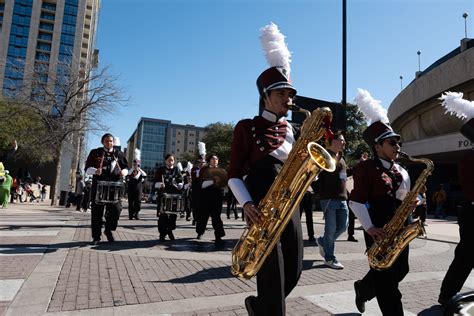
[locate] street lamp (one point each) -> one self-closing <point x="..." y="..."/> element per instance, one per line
<point x="465" y="15"/>
<point x="401" y="82"/>
<point x="419" y="53"/>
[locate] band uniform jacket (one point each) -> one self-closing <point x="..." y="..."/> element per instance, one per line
<point x="112" y="163"/>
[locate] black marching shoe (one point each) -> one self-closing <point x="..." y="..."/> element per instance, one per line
<point x="109" y="235"/>
<point x="95" y="242"/>
<point x="311" y="239"/>
<point x="199" y="236"/>
<point x="219" y="242"/>
<point x="359" y="300"/>
<point x="162" y="237"/>
<point x="250" y="305"/>
<point x="170" y="235"/>
<point x="351" y="238"/>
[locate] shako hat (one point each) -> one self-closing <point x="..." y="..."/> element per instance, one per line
<point x="372" y="109"/>
<point x="464" y="109"/>
<point x="137" y="155"/>
<point x="278" y="57"/>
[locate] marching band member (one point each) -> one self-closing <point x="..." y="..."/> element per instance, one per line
<point x="381" y="184"/>
<point x="105" y="164"/>
<point x="463" y="263"/>
<point x="260" y="147"/>
<point x="168" y="179"/>
<point x="136" y="177"/>
<point x="211" y="198"/>
<point x="195" y="188"/>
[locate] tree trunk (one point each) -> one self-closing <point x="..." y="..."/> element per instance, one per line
<point x="56" y="184"/>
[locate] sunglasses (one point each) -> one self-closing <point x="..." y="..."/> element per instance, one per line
<point x="393" y="143"/>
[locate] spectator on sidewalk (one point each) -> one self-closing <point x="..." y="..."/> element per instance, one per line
<point x="350" y="186"/>
<point x="231" y="204"/>
<point x="5" y="186"/>
<point x="333" y="200"/>
<point x="43" y="193"/>
<point x="439" y="198"/>
<point x="421" y="209"/>
<point x="80" y="185"/>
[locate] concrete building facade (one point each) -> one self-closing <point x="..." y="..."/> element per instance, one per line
<point x="416" y="114"/>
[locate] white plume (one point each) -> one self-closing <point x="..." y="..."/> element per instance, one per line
<point x="202" y="149"/>
<point x="274" y="47"/>
<point x="370" y="107"/>
<point x="116" y="141"/>
<point x="179" y="166"/>
<point x="137" y="154"/>
<point x="456" y="105"/>
<point x="189" y="167"/>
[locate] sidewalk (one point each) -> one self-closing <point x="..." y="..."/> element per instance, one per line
<point x="49" y="267"/>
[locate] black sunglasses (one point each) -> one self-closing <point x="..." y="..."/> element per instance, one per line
<point x="393" y="143"/>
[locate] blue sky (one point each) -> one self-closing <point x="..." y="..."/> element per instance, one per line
<point x="196" y="61"/>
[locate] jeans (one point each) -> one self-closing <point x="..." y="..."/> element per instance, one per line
<point x="336" y="220"/>
<point x="439" y="211"/>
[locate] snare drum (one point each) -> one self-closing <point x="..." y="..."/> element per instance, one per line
<point x="109" y="192"/>
<point x="171" y="203"/>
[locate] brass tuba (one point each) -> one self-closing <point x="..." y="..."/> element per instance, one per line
<point x="286" y="192"/>
<point x="383" y="254"/>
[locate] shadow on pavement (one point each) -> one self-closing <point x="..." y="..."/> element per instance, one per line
<point x="435" y="310"/>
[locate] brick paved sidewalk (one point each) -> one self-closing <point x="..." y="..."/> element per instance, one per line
<point x="140" y="275"/>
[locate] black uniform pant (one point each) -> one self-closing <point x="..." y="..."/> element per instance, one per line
<point x="210" y="205"/>
<point x="281" y="270"/>
<point x="463" y="262"/>
<point x="306" y="206"/>
<point x="166" y="223"/>
<point x="384" y="286"/>
<point x="112" y="214"/>
<point x="350" y="226"/>
<point x="134" y="203"/>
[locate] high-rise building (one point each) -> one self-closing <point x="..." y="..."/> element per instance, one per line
<point x="155" y="138"/>
<point x="39" y="37"/>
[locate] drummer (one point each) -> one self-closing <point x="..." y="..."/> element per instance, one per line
<point x="167" y="180"/>
<point x="210" y="202"/>
<point x="105" y="163"/>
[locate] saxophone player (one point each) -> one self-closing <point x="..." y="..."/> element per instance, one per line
<point x="380" y="185"/>
<point x="260" y="146"/>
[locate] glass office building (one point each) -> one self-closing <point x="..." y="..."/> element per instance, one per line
<point x="37" y="39"/>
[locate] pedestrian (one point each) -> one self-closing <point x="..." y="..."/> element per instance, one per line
<point x="43" y="192"/>
<point x="333" y="200"/>
<point x="463" y="261"/>
<point x="136" y="178"/>
<point x="105" y="163"/>
<point x="210" y="203"/>
<point x="260" y="147"/>
<point x="306" y="207"/>
<point x="5" y="186"/>
<point x="439" y="198"/>
<point x="80" y="185"/>
<point x="383" y="184"/>
<point x="168" y="180"/>
<point x="421" y="208"/>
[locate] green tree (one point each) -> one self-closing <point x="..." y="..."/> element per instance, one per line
<point x="24" y="127"/>
<point x="218" y="140"/>
<point x="355" y="126"/>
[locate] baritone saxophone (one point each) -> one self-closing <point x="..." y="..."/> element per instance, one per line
<point x="285" y="194"/>
<point x="398" y="234"/>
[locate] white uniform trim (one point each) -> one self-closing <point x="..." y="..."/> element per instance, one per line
<point x="239" y="190"/>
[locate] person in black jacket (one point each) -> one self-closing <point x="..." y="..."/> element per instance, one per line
<point x="168" y="179"/>
<point x="105" y="164"/>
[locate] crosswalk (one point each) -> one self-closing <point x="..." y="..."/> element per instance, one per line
<point x="24" y="238"/>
